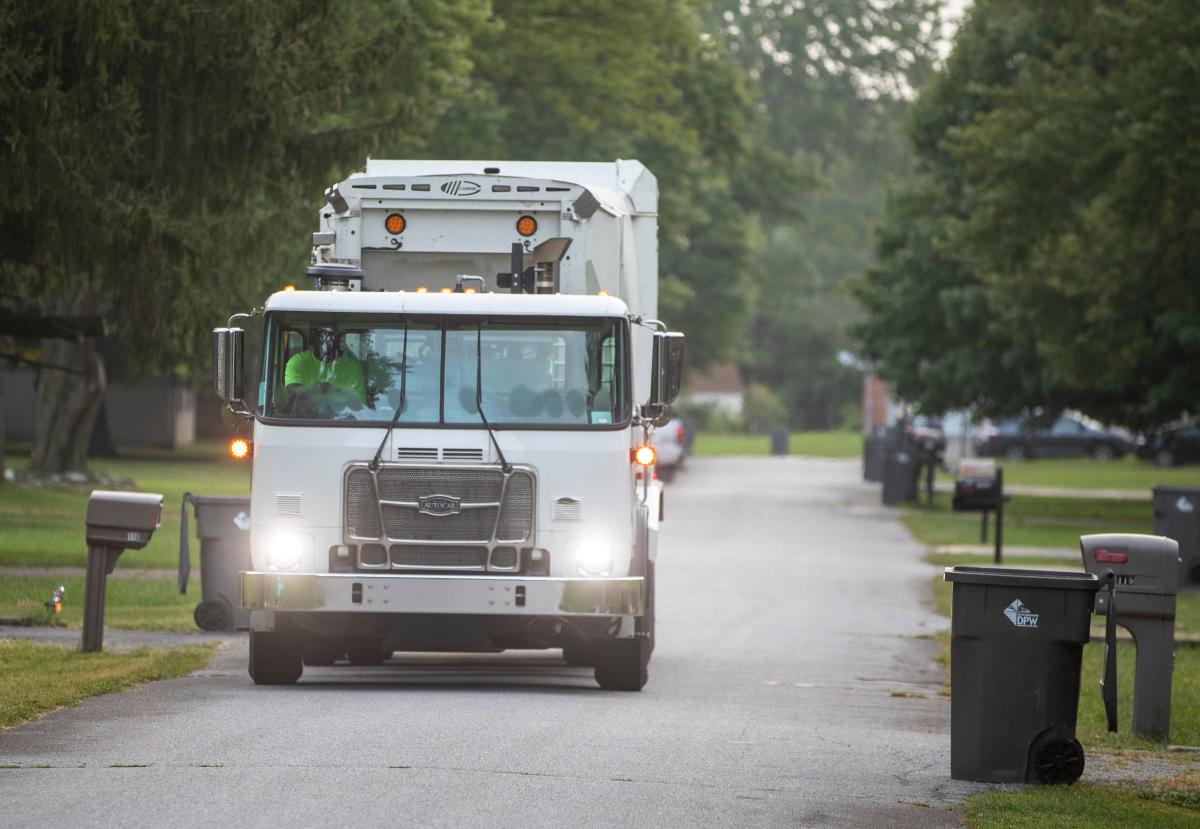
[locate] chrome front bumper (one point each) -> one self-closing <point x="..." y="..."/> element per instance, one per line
<point x="478" y="595"/>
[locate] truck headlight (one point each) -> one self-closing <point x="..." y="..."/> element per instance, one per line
<point x="594" y="558"/>
<point x="284" y="551"/>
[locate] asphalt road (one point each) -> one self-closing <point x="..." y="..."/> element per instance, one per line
<point x="792" y="685"/>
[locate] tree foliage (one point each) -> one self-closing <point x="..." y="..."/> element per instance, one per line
<point x="1049" y="255"/>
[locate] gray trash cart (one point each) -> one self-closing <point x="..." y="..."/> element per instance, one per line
<point x="223" y="526"/>
<point x="1017" y="640"/>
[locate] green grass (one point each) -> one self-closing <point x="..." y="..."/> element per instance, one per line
<point x="1085" y="473"/>
<point x="833" y="444"/>
<point x="1082" y="806"/>
<point x="1030" y="521"/>
<point x="131" y="604"/>
<point x="36" y="679"/>
<point x="43" y="526"/>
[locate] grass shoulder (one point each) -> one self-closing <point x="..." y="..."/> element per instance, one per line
<point x="131" y="604"/>
<point x="822" y="444"/>
<point x="36" y="679"/>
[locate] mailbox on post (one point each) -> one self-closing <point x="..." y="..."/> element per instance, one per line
<point x="1145" y="569"/>
<point x="979" y="487"/>
<point x="116" y="522"/>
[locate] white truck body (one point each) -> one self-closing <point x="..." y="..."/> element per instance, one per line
<point x="392" y="554"/>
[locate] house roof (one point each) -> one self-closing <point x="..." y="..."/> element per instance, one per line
<point x="719" y="377"/>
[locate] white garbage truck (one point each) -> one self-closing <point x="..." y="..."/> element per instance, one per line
<point x="451" y="423"/>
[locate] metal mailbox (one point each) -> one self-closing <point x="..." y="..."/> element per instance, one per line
<point x="978" y="487"/>
<point x="1145" y="569"/>
<point x="116" y="522"/>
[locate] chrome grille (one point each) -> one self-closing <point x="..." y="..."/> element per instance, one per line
<point x="495" y="514"/>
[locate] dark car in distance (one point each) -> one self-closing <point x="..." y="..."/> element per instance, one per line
<point x="1067" y="437"/>
<point x="1172" y="445"/>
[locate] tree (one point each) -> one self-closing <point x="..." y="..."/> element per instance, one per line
<point x="1057" y="203"/>
<point x="835" y="77"/>
<point x="154" y="150"/>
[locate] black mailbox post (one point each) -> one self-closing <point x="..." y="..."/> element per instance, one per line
<point x="979" y="487"/>
<point x="116" y="522"/>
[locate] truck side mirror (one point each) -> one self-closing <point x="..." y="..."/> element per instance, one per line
<point x="228" y="346"/>
<point x="666" y="371"/>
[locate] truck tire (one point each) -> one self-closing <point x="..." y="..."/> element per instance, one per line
<point x="622" y="664"/>
<point x="275" y="657"/>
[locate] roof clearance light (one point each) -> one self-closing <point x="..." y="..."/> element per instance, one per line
<point x="289" y="287"/>
<point x="395" y="223"/>
<point x="469" y="290"/>
<point x="240" y="449"/>
<point x="445" y="291"/>
<point x="644" y="456"/>
<point x="527" y="225"/>
<point x="422" y="290"/>
<point x="601" y="293"/>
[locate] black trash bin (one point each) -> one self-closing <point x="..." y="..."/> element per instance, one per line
<point x="223" y="526"/>
<point x="1017" y="641"/>
<point x="900" y="468"/>
<point x="874" y="448"/>
<point x="779" y="441"/>
<point x="1177" y="516"/>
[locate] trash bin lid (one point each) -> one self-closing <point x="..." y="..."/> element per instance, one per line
<point x="218" y="500"/>
<point x="1176" y="490"/>
<point x="1012" y="577"/>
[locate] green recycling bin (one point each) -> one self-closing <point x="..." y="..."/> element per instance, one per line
<point x="1015" y="652"/>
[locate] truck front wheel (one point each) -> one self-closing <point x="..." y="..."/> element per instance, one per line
<point x="622" y="664"/>
<point x="274" y="657"/>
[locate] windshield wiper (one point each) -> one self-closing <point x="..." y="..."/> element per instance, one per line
<point x="374" y="464"/>
<point x="504" y="466"/>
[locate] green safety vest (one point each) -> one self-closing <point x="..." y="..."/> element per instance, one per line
<point x="345" y="373"/>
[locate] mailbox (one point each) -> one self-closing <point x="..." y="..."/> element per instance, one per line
<point x="125" y="520"/>
<point x="1145" y="570"/>
<point x="978" y="487"/>
<point x="116" y="522"/>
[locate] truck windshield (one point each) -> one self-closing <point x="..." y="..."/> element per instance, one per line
<point x="535" y="371"/>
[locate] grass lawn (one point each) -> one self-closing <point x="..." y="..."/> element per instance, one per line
<point x="132" y="604"/>
<point x="835" y="444"/>
<point x="1086" y="806"/>
<point x="1085" y="473"/>
<point x="43" y="525"/>
<point x="36" y="679"/>
<point x="1030" y="521"/>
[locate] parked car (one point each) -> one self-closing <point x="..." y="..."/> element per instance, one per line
<point x="670" y="444"/>
<point x="1171" y="445"/>
<point x="1067" y="437"/>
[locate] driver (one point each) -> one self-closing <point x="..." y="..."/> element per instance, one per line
<point x="325" y="376"/>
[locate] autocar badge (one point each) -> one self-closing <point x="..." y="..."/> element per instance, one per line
<point x="439" y="505"/>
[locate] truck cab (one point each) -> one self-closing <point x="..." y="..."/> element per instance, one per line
<point x="451" y="424"/>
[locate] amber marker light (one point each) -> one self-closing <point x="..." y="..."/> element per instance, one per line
<point x="445" y="291"/>
<point x="469" y="290"/>
<point x="240" y="449"/>
<point x="644" y="456"/>
<point x="395" y="223"/>
<point x="422" y="290"/>
<point x="289" y="287"/>
<point x="527" y="225"/>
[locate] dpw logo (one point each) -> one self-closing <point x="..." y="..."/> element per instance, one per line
<point x="460" y="187"/>
<point x="1020" y="615"/>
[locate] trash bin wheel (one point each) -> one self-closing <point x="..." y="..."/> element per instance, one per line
<point x="275" y="657"/>
<point x="213" y="615"/>
<point x="1057" y="761"/>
